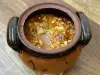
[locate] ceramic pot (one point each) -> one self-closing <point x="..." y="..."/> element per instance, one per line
<point x="52" y="61"/>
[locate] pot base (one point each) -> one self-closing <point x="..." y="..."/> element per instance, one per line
<point x="49" y="66"/>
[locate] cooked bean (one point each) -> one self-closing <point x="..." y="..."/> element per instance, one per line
<point x="60" y="31"/>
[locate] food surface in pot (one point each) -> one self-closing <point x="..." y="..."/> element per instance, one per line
<point x="48" y="31"/>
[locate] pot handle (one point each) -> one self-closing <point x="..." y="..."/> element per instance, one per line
<point x="85" y="28"/>
<point x="12" y="35"/>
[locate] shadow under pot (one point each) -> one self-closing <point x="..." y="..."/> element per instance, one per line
<point x="59" y="58"/>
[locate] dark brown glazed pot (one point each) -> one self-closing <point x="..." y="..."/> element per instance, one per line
<point x="49" y="61"/>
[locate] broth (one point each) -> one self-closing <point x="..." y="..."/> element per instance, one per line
<point x="48" y="31"/>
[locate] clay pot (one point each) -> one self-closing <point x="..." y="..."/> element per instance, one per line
<point x="49" y="61"/>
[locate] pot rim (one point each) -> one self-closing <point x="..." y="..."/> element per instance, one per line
<point x="30" y="10"/>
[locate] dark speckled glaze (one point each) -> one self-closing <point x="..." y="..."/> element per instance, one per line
<point x="12" y="35"/>
<point x="86" y="31"/>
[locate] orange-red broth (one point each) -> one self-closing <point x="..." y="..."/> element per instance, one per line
<point x="48" y="31"/>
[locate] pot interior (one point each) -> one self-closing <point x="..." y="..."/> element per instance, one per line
<point x="57" y="16"/>
<point x="49" y="8"/>
<point x="53" y="11"/>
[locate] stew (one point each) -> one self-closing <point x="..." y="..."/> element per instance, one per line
<point x="48" y="31"/>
